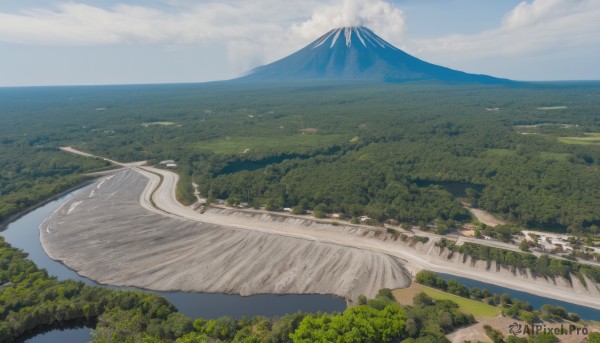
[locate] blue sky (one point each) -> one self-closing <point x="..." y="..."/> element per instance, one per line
<point x="162" y="41"/>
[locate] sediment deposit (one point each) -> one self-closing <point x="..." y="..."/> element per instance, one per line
<point x="129" y="229"/>
<point x="104" y="233"/>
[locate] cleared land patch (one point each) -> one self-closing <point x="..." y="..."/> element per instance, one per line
<point x="588" y="139"/>
<point x="158" y="123"/>
<point x="501" y="152"/>
<point x="476" y="308"/>
<point x="287" y="143"/>
<point x="309" y="130"/>
<point x="552" y="108"/>
<point x="555" y="156"/>
<point x="485" y="217"/>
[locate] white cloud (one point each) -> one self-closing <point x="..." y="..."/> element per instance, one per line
<point x="182" y="22"/>
<point x="73" y="24"/>
<point x="259" y="31"/>
<point x="381" y="16"/>
<point x="536" y="29"/>
<point x="254" y="31"/>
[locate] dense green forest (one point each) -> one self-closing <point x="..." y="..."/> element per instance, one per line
<point x="529" y="153"/>
<point x="395" y="152"/>
<point x="29" y="174"/>
<point x="30" y="299"/>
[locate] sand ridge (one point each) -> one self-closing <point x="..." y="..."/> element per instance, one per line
<point x="103" y="233"/>
<point x="158" y="197"/>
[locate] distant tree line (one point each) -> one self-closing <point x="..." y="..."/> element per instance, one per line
<point x="384" y="150"/>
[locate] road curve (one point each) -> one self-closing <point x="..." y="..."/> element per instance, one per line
<point x="159" y="197"/>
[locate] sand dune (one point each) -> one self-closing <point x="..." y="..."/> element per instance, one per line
<point x="110" y="238"/>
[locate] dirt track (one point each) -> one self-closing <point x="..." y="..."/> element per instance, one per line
<point x="485" y="217"/>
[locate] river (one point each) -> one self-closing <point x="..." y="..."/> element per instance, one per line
<point x="24" y="234"/>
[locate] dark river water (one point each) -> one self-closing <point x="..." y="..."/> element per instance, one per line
<point x="24" y="234"/>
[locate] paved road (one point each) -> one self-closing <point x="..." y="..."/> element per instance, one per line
<point x="159" y="196"/>
<point x="165" y="199"/>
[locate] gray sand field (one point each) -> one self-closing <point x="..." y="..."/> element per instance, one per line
<point x="105" y="234"/>
<point x="109" y="242"/>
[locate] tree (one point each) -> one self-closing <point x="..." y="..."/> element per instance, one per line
<point x="320" y="211"/>
<point x="455" y="287"/>
<point x="478" y="233"/>
<point x="386" y="293"/>
<point x="298" y="210"/>
<point x="223" y="328"/>
<point x="524" y="245"/>
<point x="495" y="335"/>
<point x="446" y="321"/>
<point x="423" y="300"/>
<point x="356" y="324"/>
<point x="512" y="311"/>
<point x="412" y="329"/>
<point x="594" y="337"/>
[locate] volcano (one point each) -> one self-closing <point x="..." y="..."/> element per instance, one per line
<point x="356" y="53"/>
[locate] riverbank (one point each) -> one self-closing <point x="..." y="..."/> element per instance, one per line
<point x="24" y="233"/>
<point x="106" y="235"/>
<point x="420" y="257"/>
<point x="4" y="224"/>
<point x="155" y="193"/>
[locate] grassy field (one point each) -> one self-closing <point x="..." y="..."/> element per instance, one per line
<point x="501" y="152"/>
<point x="552" y="108"/>
<point x="158" y="123"/>
<point x="548" y="156"/>
<point x="589" y="138"/>
<point x="554" y="156"/>
<point x="478" y="309"/>
<point x="297" y="143"/>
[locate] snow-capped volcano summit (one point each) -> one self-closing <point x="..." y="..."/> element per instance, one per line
<point x="365" y="36"/>
<point x="356" y="53"/>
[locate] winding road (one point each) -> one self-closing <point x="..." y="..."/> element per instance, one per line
<point x="159" y="197"/>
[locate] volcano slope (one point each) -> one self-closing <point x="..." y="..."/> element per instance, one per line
<point x="105" y="234"/>
<point x="356" y="53"/>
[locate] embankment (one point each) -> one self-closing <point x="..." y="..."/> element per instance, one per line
<point x="104" y="234"/>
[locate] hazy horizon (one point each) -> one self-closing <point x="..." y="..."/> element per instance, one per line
<point x="162" y="42"/>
